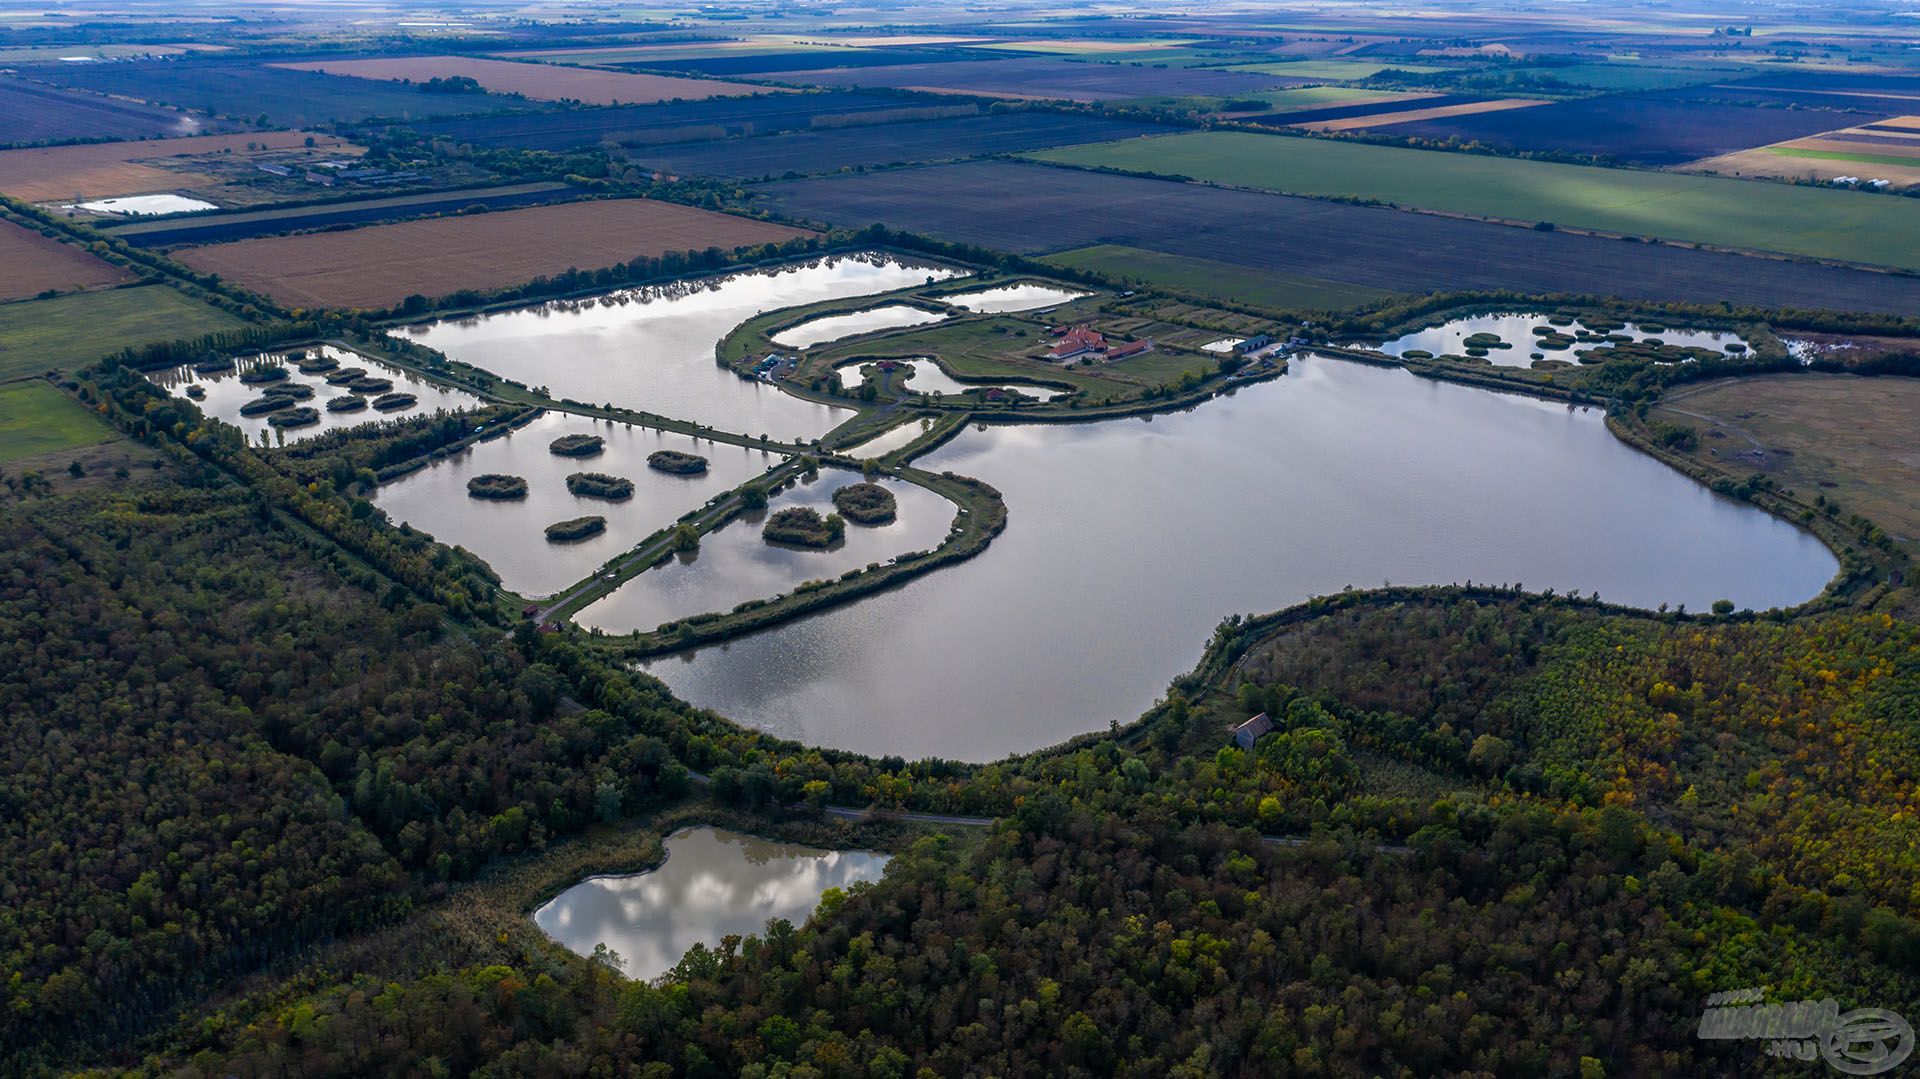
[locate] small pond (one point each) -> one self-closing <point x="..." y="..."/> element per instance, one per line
<point x="713" y="883"/>
<point x="224" y="393"/>
<point x="889" y="440"/>
<point x="1128" y="540"/>
<point x="927" y="376"/>
<point x="891" y="316"/>
<point x="735" y="564"/>
<point x="511" y="535"/>
<point x="1008" y="298"/>
<point x="1517" y="330"/>
<point x="652" y="349"/>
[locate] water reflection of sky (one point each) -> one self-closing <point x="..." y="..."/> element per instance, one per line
<point x="1450" y="338"/>
<point x="714" y="883"/>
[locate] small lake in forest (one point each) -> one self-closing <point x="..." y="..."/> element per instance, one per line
<point x="1129" y="540"/>
<point x="713" y="883"/>
<point x="652" y="349"/>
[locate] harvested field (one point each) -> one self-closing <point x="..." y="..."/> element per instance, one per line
<point x="1332" y="70"/>
<point x="31" y="264"/>
<point x="68" y="332"/>
<point x="1647" y="129"/>
<point x="1427" y="112"/>
<point x="381" y="265"/>
<point x="226" y="228"/>
<point x="99" y="170"/>
<point x="1047" y="78"/>
<point x="930" y="140"/>
<point x="30" y="113"/>
<point x="1845" y="436"/>
<point x="1040" y="210"/>
<point x="540" y="82"/>
<point x="1885" y="151"/>
<point x="1841" y="225"/>
<point x="775" y="64"/>
<point x="1817" y="90"/>
<point x="690" y="121"/>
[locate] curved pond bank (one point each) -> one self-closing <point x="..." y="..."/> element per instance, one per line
<point x="714" y="882"/>
<point x="1129" y="540"/>
<point x="653" y="348"/>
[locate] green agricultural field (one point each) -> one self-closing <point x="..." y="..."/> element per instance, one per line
<point x="1323" y="97"/>
<point x="72" y="331"/>
<point x="1823" y="223"/>
<point x="1202" y="277"/>
<point x="1843" y="155"/>
<point x="1635" y="77"/>
<point x="35" y="418"/>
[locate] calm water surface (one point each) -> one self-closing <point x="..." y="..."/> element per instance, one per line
<point x="1129" y="540"/>
<point x="891" y="439"/>
<point x="714" y="883"/>
<point x="1517" y="330"/>
<point x="891" y="316"/>
<point x="225" y="393"/>
<point x="511" y="536"/>
<point x="929" y="377"/>
<point x="995" y="301"/>
<point x="652" y="349"/>
<point x="736" y="564"/>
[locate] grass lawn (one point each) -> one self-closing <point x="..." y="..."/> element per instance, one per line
<point x="1205" y="278"/>
<point x="1844" y="436"/>
<point x="35" y="418"/>
<point x="1847" y="225"/>
<point x="67" y="332"/>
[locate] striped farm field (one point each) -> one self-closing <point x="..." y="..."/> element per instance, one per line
<point x="380" y="265"/>
<point x="1437" y="112"/>
<point x="1822" y="223"/>
<point x="541" y="82"/>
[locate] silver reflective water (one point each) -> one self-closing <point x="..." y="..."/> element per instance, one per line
<point x="735" y="564"/>
<point x="1129" y="540"/>
<point x="714" y="883"/>
<point x="652" y="349"/>
<point x="927" y="376"/>
<point x="1027" y="297"/>
<point x="224" y="394"/>
<point x="511" y="535"/>
<point x="819" y="331"/>
<point x="893" y="438"/>
<point x="1450" y="338"/>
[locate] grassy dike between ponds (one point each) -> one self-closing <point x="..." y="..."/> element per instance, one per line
<point x="982" y="515"/>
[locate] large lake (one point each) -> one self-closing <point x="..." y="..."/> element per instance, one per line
<point x="652" y="349"/>
<point x="1129" y="540"/>
<point x="714" y="883"/>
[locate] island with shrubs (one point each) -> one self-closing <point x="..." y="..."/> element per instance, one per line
<point x="865" y="503"/>
<point x="676" y="463"/>
<point x="600" y="485"/>
<point x="802" y="526"/>
<point x="577" y="445"/>
<point x="577" y="528"/>
<point x="497" y="486"/>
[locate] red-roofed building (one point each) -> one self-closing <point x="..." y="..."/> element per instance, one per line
<point x="1077" y="341"/>
<point x="1131" y="348"/>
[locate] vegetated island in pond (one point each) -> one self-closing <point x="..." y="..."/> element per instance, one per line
<point x="578" y="528"/>
<point x="802" y="526"/>
<point x="302" y="416"/>
<point x="600" y="485"/>
<point x="577" y="445"/>
<point x="680" y="464"/>
<point x="497" y="486"/>
<point x="865" y="503"/>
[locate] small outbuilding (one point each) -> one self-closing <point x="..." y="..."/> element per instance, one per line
<point x="1246" y="734"/>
